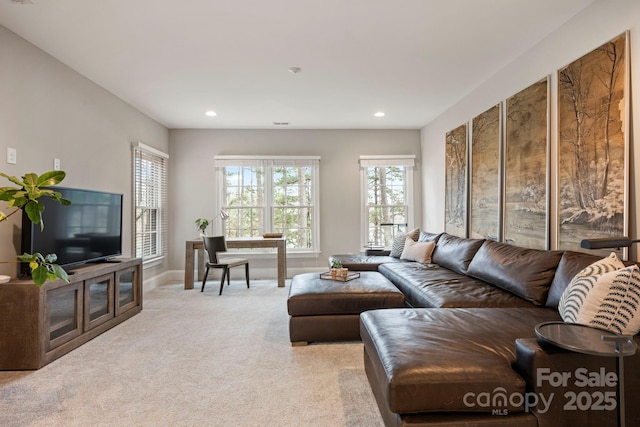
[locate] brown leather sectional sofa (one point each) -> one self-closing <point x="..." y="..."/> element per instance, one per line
<point x="465" y="352"/>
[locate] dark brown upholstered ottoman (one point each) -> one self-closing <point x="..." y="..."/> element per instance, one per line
<point x="329" y="310"/>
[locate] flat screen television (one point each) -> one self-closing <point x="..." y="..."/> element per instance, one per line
<point x="87" y="230"/>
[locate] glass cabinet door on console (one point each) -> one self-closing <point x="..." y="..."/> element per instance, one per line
<point x="126" y="291"/>
<point x="98" y="300"/>
<point x="63" y="314"/>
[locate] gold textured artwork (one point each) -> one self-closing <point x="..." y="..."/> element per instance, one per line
<point x="456" y="182"/>
<point x="484" y="215"/>
<point x="592" y="147"/>
<point x="526" y="172"/>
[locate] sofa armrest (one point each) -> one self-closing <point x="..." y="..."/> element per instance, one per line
<point x="562" y="384"/>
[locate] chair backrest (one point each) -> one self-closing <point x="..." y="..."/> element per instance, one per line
<point x="213" y="245"/>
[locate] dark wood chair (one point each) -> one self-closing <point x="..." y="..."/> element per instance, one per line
<point x="214" y="245"/>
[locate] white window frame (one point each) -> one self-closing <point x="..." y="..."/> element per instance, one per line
<point x="162" y="229"/>
<point x="268" y="162"/>
<point x="367" y="161"/>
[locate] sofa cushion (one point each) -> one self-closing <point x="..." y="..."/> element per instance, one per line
<point x="455" y="253"/>
<point x="524" y="272"/>
<point x="604" y="295"/>
<point x="398" y="242"/>
<point x="429" y="359"/>
<point x="570" y="264"/>
<point x="417" y="251"/>
<point x="429" y="285"/>
<point x="425" y="236"/>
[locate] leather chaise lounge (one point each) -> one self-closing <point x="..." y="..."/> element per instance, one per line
<point x="464" y="352"/>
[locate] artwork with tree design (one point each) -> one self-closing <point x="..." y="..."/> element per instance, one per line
<point x="455" y="215"/>
<point x="592" y="147"/>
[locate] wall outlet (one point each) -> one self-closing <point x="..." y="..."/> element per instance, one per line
<point x="56" y="164"/>
<point x="12" y="156"/>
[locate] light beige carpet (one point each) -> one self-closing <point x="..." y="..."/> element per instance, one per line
<point x="197" y="359"/>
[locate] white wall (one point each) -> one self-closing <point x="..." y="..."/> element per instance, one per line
<point x="192" y="183"/>
<point x="48" y="110"/>
<point x="599" y="23"/>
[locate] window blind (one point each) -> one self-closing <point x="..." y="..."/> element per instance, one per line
<point x="150" y="169"/>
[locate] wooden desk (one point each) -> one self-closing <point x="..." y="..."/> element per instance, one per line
<point x="247" y="242"/>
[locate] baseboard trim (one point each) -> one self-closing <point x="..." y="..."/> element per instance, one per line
<point x="150" y="283"/>
<point x="177" y="276"/>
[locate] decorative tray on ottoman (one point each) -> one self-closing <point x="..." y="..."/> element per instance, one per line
<point x="338" y="277"/>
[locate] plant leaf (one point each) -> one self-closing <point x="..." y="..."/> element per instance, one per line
<point x="59" y="272"/>
<point x="50" y="178"/>
<point x="39" y="275"/>
<point x="34" y="210"/>
<point x="25" y="257"/>
<point x="7" y="193"/>
<point x="30" y="180"/>
<point x="12" y="179"/>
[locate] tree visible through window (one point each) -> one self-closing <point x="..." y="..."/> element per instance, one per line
<point x="244" y="201"/>
<point x="388" y="200"/>
<point x="292" y="210"/>
<point x="386" y="203"/>
<point x="271" y="195"/>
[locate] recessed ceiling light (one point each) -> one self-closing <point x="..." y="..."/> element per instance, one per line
<point x="211" y="113"/>
<point x="379" y="114"/>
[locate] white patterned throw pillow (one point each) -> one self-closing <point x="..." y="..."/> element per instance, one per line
<point x="398" y="242"/>
<point x="604" y="295"/>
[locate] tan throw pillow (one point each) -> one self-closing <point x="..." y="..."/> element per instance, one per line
<point x="604" y="296"/>
<point x="417" y="251"/>
<point x="398" y="242"/>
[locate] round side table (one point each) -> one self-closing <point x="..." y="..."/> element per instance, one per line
<point x="593" y="341"/>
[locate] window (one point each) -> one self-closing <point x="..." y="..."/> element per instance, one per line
<point x="387" y="197"/>
<point x="150" y="202"/>
<point x="275" y="194"/>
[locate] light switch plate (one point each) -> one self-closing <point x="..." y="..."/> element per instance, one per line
<point x="56" y="164"/>
<point x="12" y="156"/>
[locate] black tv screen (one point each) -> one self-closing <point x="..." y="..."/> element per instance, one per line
<point x="89" y="229"/>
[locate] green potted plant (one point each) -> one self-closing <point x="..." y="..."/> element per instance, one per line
<point x="337" y="270"/>
<point x="202" y="224"/>
<point x="24" y="197"/>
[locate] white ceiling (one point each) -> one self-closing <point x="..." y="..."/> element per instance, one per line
<point x="173" y="60"/>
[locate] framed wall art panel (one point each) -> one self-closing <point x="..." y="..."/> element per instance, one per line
<point x="455" y="215"/>
<point x="593" y="111"/>
<point x="526" y="173"/>
<point x="484" y="215"/>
